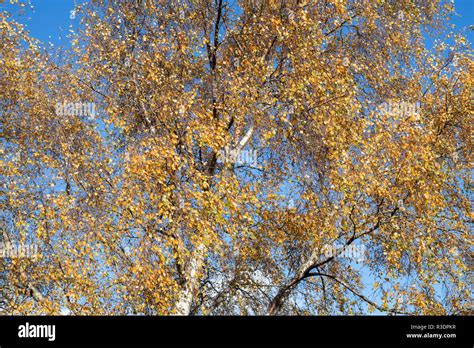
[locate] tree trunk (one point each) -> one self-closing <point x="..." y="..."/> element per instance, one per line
<point x="185" y="300"/>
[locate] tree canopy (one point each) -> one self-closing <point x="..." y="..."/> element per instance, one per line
<point x="116" y="159"/>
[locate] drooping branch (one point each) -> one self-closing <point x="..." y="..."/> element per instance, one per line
<point x="312" y="263"/>
<point x="358" y="294"/>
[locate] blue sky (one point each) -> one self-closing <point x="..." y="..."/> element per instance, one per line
<point x="50" y="19"/>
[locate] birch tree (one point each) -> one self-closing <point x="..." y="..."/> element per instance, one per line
<point x="134" y="211"/>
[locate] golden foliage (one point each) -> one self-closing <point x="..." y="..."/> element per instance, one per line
<point x="134" y="211"/>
